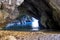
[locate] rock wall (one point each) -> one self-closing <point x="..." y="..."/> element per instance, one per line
<point x="56" y="11"/>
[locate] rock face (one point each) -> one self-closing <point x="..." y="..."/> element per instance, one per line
<point x="10" y="6"/>
<point x="56" y="12"/>
<point x="9" y="10"/>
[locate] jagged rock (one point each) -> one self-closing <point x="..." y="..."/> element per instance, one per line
<point x="11" y="7"/>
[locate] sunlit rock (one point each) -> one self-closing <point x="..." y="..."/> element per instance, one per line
<point x="3" y="16"/>
<point x="9" y="38"/>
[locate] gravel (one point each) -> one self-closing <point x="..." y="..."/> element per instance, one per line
<point x="16" y="35"/>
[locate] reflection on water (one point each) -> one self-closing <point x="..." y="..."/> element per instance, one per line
<point x="17" y="25"/>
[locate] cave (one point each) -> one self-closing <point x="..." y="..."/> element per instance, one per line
<point x="41" y="11"/>
<point x="39" y="8"/>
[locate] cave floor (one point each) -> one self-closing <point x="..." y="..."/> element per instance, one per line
<point x="21" y="35"/>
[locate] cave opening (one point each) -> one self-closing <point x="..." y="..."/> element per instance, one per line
<point x="29" y="14"/>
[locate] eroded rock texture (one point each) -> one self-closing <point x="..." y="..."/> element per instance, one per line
<point x="56" y="11"/>
<point x="10" y="7"/>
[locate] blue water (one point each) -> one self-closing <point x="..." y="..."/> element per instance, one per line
<point x="17" y="25"/>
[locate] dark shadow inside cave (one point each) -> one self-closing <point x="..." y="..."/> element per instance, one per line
<point x="39" y="10"/>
